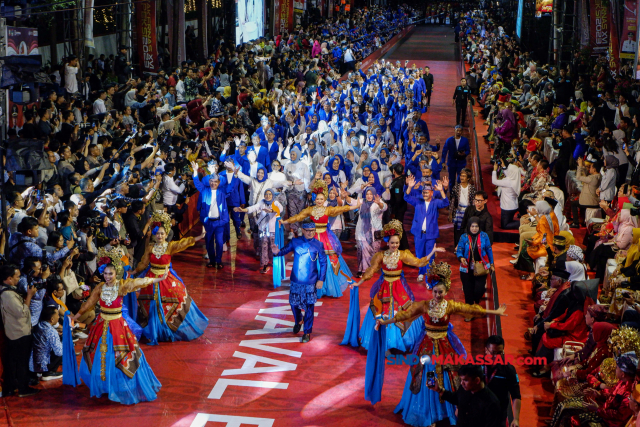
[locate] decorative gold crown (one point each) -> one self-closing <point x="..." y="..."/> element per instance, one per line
<point x="393" y="228"/>
<point x="320" y="187"/>
<point x="608" y="371"/>
<point x="112" y="256"/>
<point x="161" y="218"/>
<point x="443" y="272"/>
<point x="624" y="340"/>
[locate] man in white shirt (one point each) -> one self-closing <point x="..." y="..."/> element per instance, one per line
<point x="180" y="90"/>
<point x="349" y="59"/>
<point x="70" y="73"/>
<point x="98" y="105"/>
<point x="170" y="189"/>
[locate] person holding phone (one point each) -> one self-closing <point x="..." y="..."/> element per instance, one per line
<point x="439" y="339"/>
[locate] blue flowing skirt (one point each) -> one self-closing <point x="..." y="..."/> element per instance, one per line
<point x="395" y="339"/>
<point x="143" y="387"/>
<point x="157" y="330"/>
<point x="334" y="285"/>
<point x="135" y="328"/>
<point x="425" y="408"/>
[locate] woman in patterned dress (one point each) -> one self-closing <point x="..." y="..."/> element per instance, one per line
<point x="171" y="313"/>
<point x="112" y="361"/>
<point x="338" y="275"/>
<point x="419" y="405"/>
<point x="391" y="292"/>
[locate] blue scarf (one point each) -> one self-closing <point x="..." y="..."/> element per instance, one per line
<point x="365" y="213"/>
<point x="264" y="178"/>
<point x="336" y="172"/>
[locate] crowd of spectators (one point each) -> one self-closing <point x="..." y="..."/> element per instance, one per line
<point x="563" y="139"/>
<point x="276" y="114"/>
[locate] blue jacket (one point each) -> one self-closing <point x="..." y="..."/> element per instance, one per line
<point x="204" y="201"/>
<point x="235" y="191"/>
<point x="262" y="155"/>
<point x="309" y="262"/>
<point x="464" y="250"/>
<point x="449" y="152"/>
<point x="432" y="231"/>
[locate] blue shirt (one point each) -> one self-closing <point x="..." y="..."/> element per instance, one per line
<point x="45" y="341"/>
<point x="36" y="302"/>
<point x="28" y="247"/>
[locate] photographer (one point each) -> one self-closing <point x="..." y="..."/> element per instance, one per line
<point x="34" y="273"/>
<point x="23" y="244"/>
<point x="476" y="405"/>
<point x="565" y="143"/>
<point x="509" y="193"/>
<point x="16" y="318"/>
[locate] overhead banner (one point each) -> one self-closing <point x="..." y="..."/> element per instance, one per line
<point x="629" y="38"/>
<point x="22" y="41"/>
<point x="146" y="29"/>
<point x="276" y="18"/>
<point x="543" y="6"/>
<point x="88" y="24"/>
<point x="286" y="16"/>
<point x="600" y="27"/>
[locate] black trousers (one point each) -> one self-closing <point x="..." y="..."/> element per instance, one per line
<point x="599" y="258"/>
<point x="428" y="96"/>
<point x="473" y="287"/>
<point x="461" y="114"/>
<point x="578" y="210"/>
<point x="54" y="362"/>
<point x="16" y="363"/>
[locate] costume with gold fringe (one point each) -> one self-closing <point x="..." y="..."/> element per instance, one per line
<point x="170" y="313"/>
<point x="338" y="273"/>
<point x="112" y="361"/>
<point x="419" y="405"/>
<point x="391" y="293"/>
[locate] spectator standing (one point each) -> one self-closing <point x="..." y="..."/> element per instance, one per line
<point x="509" y="192"/>
<point x="590" y="178"/>
<point x="476" y="404"/>
<point x="479" y="209"/>
<point x="474" y="246"/>
<point x="70" y="73"/>
<point x="16" y="319"/>
<point x="502" y="380"/>
<point x="461" y="98"/>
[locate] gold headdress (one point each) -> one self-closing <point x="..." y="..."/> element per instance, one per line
<point x="161" y="218"/>
<point x="393" y="228"/>
<point x="624" y="340"/>
<point x="320" y="187"/>
<point x="439" y="274"/>
<point x="112" y="256"/>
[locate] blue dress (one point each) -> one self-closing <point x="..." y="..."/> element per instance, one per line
<point x="130" y="380"/>
<point x="178" y="319"/>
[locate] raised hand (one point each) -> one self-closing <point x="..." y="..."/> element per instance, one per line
<point x="439" y="186"/>
<point x="194" y="166"/>
<point x="445" y="181"/>
<point x="411" y="181"/>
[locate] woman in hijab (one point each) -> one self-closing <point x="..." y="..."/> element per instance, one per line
<point x="106" y="232"/>
<point x="361" y="183"/>
<point x="622" y="241"/>
<point x="536" y="247"/>
<point x="575" y="265"/>
<point x="586" y="361"/>
<point x="507" y="130"/>
<point x="369" y="221"/>
<point x="474" y="248"/>
<point x="266" y="211"/>
<point x="509" y="193"/>
<point x="570" y="326"/>
<point x="316" y="50"/>
<point x="335" y="168"/>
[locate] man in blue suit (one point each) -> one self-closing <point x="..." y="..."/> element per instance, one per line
<point x="425" y="219"/>
<point x="262" y="155"/>
<point x="235" y="195"/>
<point x="213" y="214"/>
<point x="455" y="152"/>
<point x="308" y="273"/>
<point x="273" y="148"/>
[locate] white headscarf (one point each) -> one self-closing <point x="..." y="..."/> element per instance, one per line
<point x="513" y="175"/>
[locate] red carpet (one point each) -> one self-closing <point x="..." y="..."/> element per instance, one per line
<point x="316" y="384"/>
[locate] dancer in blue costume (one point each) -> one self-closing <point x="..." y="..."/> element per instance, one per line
<point x="171" y="313"/>
<point x="419" y="405"/>
<point x="391" y="292"/>
<point x="112" y="361"/>
<point x="338" y="273"/>
<point x="307" y="274"/>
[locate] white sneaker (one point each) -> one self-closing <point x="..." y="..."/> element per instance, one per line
<point x="224" y="247"/>
<point x="514" y="256"/>
<point x="206" y="256"/>
<point x="421" y="278"/>
<point x="513" y="261"/>
<point x="291" y="235"/>
<point x="81" y="335"/>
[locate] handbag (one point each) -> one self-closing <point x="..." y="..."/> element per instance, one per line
<point x="478" y="266"/>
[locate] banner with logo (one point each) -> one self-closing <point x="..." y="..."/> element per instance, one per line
<point x="629" y="35"/>
<point x="543" y="6"/>
<point x="285" y="16"/>
<point x="146" y="29"/>
<point x="600" y="27"/>
<point x="22" y="41"/>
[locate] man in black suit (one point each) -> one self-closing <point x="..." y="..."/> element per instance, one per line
<point x="428" y="83"/>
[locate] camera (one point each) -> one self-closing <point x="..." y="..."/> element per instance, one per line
<point x="635" y="211"/>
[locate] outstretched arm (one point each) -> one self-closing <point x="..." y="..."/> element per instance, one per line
<point x="305" y="213"/>
<point x="408" y="258"/>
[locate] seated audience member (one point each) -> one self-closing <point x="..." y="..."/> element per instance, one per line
<point x="46" y="356"/>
